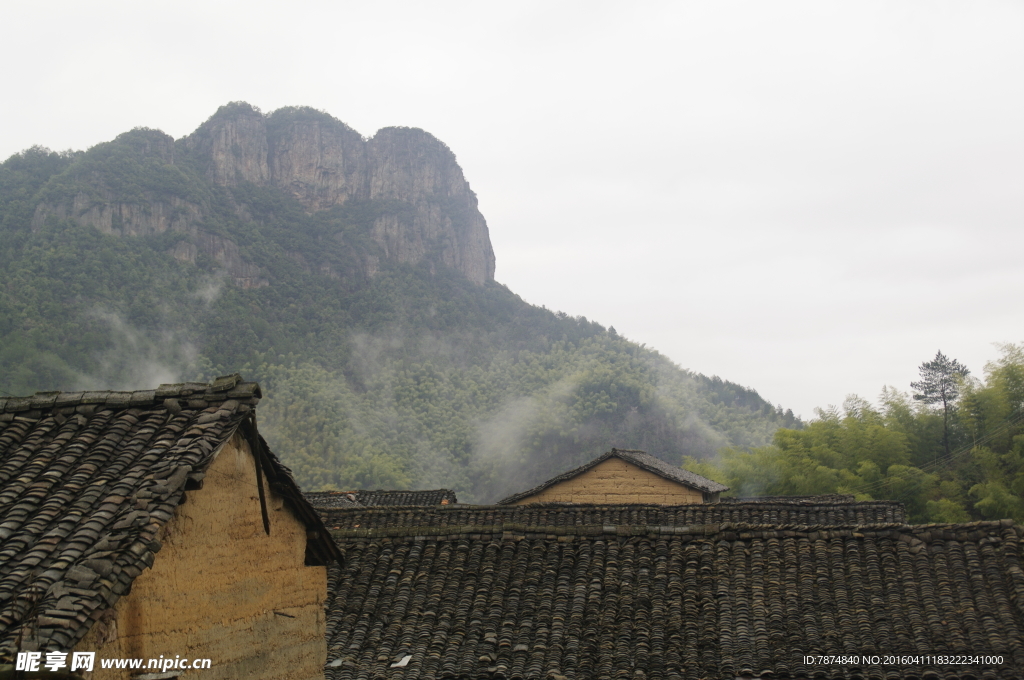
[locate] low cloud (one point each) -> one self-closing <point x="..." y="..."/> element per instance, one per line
<point x="138" y="359"/>
<point x="504" y="460"/>
<point x="211" y="287"/>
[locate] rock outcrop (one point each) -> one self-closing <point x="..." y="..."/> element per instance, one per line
<point x="237" y="151"/>
<point x="322" y="163"/>
<point x="315" y="158"/>
<point x="425" y="211"/>
<point x="410" y="165"/>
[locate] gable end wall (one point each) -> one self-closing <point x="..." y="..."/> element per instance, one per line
<point x="616" y="481"/>
<point x="221" y="588"/>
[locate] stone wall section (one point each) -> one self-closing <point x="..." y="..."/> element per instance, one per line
<point x="616" y="481"/>
<point x="221" y="588"/>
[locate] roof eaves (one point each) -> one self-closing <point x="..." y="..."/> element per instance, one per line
<point x="556" y="479"/>
<point x="319" y="543"/>
<point x="668" y="472"/>
<point x="661" y="468"/>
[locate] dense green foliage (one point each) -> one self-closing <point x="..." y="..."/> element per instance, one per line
<point x="897" y="450"/>
<point x="412" y="377"/>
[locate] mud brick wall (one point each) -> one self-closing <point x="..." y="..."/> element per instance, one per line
<point x="616" y="481"/>
<point x="221" y="588"/>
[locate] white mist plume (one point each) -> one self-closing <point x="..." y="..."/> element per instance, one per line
<point x="503" y="456"/>
<point x="211" y="287"/>
<point x="138" y="359"/>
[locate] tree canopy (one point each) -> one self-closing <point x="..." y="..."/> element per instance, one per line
<point x="940" y="384"/>
<point x="896" y="449"/>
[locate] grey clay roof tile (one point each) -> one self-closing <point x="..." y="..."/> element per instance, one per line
<point x="539" y="600"/>
<point x="86" y="481"/>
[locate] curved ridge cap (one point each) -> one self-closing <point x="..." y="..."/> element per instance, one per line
<point x="714" y="530"/>
<point x="711" y="529"/>
<point x="224" y="388"/>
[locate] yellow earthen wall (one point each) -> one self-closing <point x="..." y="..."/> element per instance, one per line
<point x="220" y="588"/>
<point x="616" y="481"/>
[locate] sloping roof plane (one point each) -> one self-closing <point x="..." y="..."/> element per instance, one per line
<point x="88" y="479"/>
<point x="660" y="602"/>
<point x="642" y="460"/>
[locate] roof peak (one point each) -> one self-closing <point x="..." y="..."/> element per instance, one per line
<point x="641" y="459"/>
<point x="223" y="388"/>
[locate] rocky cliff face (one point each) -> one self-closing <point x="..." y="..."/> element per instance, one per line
<point x="236" y="151"/>
<point x="323" y="163"/>
<point x="411" y="165"/>
<point x="316" y="159"/>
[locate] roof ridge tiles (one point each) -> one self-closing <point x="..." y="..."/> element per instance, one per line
<point x="558" y="505"/>
<point x="224" y="388"/>
<point x="711" y="529"/>
<point x="381" y="498"/>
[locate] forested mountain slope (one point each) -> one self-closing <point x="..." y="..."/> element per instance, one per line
<point x="354" y="278"/>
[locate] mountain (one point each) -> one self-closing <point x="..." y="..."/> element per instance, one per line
<point x="145" y="183"/>
<point x="354" y="278"/>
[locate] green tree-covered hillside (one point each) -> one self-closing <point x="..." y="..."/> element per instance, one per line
<point x="131" y="264"/>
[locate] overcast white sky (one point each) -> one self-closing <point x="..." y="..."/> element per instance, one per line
<point x="807" y="198"/>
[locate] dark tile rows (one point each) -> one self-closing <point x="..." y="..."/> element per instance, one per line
<point x="86" y="482"/>
<point x="775" y="512"/>
<point x="343" y="499"/>
<point x="734" y="602"/>
<point x="639" y="458"/>
<point x="795" y="500"/>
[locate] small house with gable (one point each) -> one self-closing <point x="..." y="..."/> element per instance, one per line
<point x="623" y="476"/>
<point x="156" y="524"/>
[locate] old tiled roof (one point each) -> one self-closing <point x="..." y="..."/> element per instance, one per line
<point x="639" y="458"/>
<point x="652" y="602"/>
<point x="822" y="499"/>
<point x="572" y="515"/>
<point x="87" y="480"/>
<point x="336" y="499"/>
<point x="332" y="499"/>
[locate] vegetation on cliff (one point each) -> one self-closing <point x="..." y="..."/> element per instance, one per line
<point x="391" y="375"/>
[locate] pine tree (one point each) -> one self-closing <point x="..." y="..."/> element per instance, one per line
<point x="940" y="383"/>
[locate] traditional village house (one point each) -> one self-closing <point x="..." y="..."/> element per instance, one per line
<point x="157" y="523"/>
<point x="749" y="588"/>
<point x="623" y="476"/>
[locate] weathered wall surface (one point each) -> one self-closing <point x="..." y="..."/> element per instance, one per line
<point x="220" y="588"/>
<point x="616" y="481"/>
